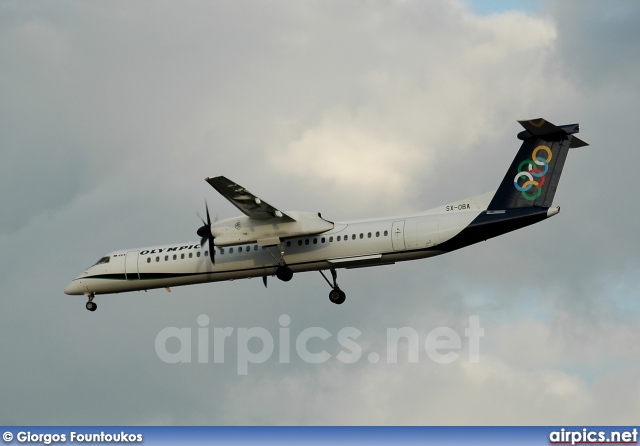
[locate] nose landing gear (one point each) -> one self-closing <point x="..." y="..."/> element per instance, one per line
<point x="336" y="295"/>
<point x="91" y="305"/>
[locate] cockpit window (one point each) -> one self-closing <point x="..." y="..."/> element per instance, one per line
<point x="102" y="260"/>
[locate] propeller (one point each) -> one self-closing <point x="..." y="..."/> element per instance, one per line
<point x="205" y="233"/>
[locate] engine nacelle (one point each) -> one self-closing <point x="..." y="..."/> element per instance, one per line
<point x="243" y="229"/>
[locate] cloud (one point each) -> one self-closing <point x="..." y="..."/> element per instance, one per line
<point x="527" y="369"/>
<point x="329" y="152"/>
<point x="431" y="95"/>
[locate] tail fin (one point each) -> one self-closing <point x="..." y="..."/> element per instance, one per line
<point x="534" y="174"/>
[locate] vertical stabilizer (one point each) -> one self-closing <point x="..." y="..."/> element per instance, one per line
<point x="533" y="177"/>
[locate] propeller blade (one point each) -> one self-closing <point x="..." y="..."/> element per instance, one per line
<point x="212" y="252"/>
<point x="205" y="233"/>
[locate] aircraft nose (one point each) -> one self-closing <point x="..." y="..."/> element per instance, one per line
<point x="73" y="288"/>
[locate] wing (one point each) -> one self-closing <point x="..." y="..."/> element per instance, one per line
<point x="244" y="200"/>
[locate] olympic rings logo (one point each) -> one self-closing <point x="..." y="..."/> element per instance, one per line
<point x="536" y="169"/>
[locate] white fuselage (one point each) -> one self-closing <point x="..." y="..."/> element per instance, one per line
<point x="348" y="245"/>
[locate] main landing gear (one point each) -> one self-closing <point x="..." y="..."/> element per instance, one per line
<point x="91" y="305"/>
<point x="336" y="295"/>
<point x="283" y="272"/>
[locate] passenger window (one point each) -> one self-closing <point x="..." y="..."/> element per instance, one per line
<point x="182" y="256"/>
<point x="221" y="250"/>
<point x="240" y="249"/>
<point x="377" y="233"/>
<point x="306" y="241"/>
<point x="206" y="253"/>
<point x="230" y="250"/>
<point x="330" y="239"/>
<point x="157" y="259"/>
<point x="353" y="237"/>
<point x="148" y="259"/>
<point x="255" y="247"/>
<point x="288" y="244"/>
<point x="361" y="235"/>
<point x="369" y="235"/>
<point x="166" y="258"/>
<point x="338" y="238"/>
<point x="198" y="253"/>
<point x="248" y="248"/>
<point x="386" y="233"/>
<point x="175" y="257"/>
<point x="190" y="255"/>
<point x="315" y="241"/>
<point x="299" y="242"/>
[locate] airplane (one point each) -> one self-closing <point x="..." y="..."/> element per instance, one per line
<point x="267" y="241"/>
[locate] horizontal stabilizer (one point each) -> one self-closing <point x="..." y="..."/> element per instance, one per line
<point x="577" y="142"/>
<point x="540" y="127"/>
<point x="543" y="129"/>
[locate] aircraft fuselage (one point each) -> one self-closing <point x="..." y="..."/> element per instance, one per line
<point x="351" y="244"/>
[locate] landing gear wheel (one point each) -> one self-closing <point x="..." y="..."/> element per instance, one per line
<point x="91" y="305"/>
<point x="337" y="296"/>
<point x="284" y="273"/>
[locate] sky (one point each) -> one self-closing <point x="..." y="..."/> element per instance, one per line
<point x="113" y="113"/>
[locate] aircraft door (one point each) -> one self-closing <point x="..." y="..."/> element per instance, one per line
<point x="131" y="266"/>
<point x="397" y="235"/>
